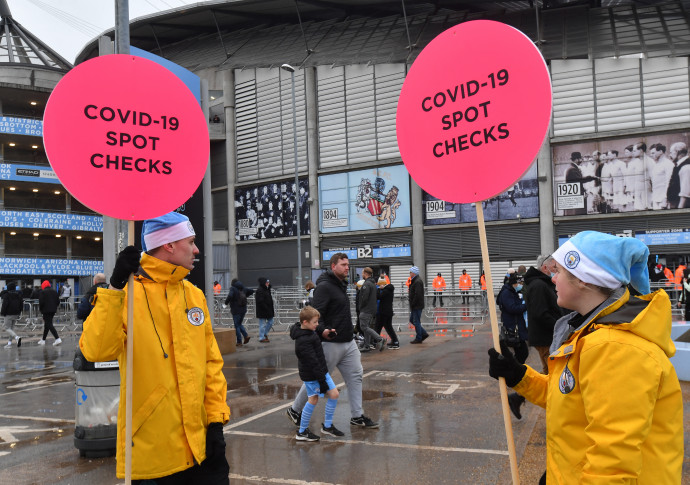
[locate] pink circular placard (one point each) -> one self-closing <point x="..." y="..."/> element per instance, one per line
<point x="126" y="137"/>
<point x="473" y="111"/>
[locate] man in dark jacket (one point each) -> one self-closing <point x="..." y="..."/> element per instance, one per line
<point x="367" y="312"/>
<point x="416" y="298"/>
<point x="48" y="303"/>
<point x="385" y="316"/>
<point x="12" y="303"/>
<point x="542" y="310"/>
<point x="339" y="348"/>
<point x="512" y="310"/>
<point x="264" y="308"/>
<point x="237" y="298"/>
<point x="86" y="303"/>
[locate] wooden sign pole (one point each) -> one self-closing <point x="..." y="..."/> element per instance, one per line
<point x="130" y="365"/>
<point x="494" y="333"/>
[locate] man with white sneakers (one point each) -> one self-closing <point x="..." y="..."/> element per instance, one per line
<point x="12" y="303"/>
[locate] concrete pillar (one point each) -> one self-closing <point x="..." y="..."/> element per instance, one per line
<point x="110" y="226"/>
<point x="417" y="228"/>
<point x="68" y="202"/>
<point x="2" y="197"/>
<point x="545" y="178"/>
<point x="231" y="154"/>
<point x="2" y="244"/>
<point x="68" y="246"/>
<point x="313" y="163"/>
<point x="208" y="208"/>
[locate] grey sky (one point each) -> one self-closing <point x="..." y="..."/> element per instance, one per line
<point x="67" y="25"/>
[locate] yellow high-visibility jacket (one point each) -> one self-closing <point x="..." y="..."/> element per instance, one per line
<point x="174" y="398"/>
<point x="614" y="408"/>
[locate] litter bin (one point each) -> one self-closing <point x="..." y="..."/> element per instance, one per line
<point x="96" y="403"/>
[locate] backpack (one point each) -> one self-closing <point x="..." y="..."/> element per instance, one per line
<point x="241" y="298"/>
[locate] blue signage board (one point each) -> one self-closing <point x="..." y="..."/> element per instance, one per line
<point x="367" y="251"/>
<point x="28" y="173"/>
<point x="50" y="267"/>
<point x="664" y="236"/>
<point x="21" y="126"/>
<point x="351" y="253"/>
<point x="51" y="220"/>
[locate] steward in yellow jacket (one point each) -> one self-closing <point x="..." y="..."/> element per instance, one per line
<point x="179" y="388"/>
<point x="614" y="407"/>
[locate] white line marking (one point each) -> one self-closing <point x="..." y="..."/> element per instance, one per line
<point x="375" y="443"/>
<point x="35" y="388"/>
<point x="288" y="481"/>
<point x="31" y="418"/>
<point x="277" y="408"/>
<point x="3" y="453"/>
<point x="281" y="376"/>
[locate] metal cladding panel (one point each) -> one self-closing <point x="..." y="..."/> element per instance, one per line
<point x="389" y="80"/>
<point x="221" y="258"/>
<point x="268" y="255"/>
<point x="619" y="224"/>
<point x="473" y="270"/>
<point x="618" y="94"/>
<point x="264" y="124"/>
<point x="573" y="97"/>
<point x="332" y="116"/>
<point x="517" y="241"/>
<point x="666" y="91"/>
<point x="446" y="270"/>
<point x="398" y="275"/>
<point x="361" y="113"/>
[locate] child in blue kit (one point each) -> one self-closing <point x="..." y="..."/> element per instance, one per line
<point x="314" y="372"/>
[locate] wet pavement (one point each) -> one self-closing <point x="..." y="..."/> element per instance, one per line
<point x="439" y="412"/>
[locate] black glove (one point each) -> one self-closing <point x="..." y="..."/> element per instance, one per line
<point x="215" y="442"/>
<point x="127" y="262"/>
<point x="323" y="386"/>
<point x="506" y="366"/>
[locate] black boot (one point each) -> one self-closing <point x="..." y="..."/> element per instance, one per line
<point x="515" y="400"/>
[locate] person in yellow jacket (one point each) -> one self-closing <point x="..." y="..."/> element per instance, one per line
<point x="439" y="285"/>
<point x="465" y="284"/>
<point x="179" y="394"/>
<point x="614" y="407"/>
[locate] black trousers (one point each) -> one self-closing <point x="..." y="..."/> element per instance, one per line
<point x="214" y="471"/>
<point x="386" y="321"/>
<point x="48" y="325"/>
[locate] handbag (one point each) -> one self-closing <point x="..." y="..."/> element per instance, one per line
<point x="510" y="336"/>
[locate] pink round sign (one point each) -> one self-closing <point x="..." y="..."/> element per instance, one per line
<point x="126" y="137"/>
<point x="473" y="111"/>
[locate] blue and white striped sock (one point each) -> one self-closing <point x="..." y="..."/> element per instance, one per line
<point x="306" y="416"/>
<point x="330" y="410"/>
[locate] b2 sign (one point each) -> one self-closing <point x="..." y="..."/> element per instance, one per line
<point x="473" y="111"/>
<point x="126" y="137"/>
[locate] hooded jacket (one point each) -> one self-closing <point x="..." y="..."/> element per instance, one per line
<point x="310" y="359"/>
<point x="48" y="300"/>
<point x="542" y="309"/>
<point x="614" y="408"/>
<point x="332" y="301"/>
<point x="176" y="397"/>
<point x="12" y="303"/>
<point x="512" y="310"/>
<point x="367" y="297"/>
<point x="386" y="295"/>
<point x="416" y="294"/>
<point x="234" y="300"/>
<point x="264" y="300"/>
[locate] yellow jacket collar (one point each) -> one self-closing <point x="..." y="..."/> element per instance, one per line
<point x="160" y="271"/>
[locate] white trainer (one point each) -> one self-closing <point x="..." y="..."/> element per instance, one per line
<point x="41" y="342"/>
<point x="9" y="344"/>
<point x="57" y="342"/>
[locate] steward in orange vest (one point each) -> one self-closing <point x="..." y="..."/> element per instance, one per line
<point x="439" y="285"/>
<point x="465" y="284"/>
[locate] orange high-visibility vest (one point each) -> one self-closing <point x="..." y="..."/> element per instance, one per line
<point x="409" y="280"/>
<point x="465" y="282"/>
<point x="482" y="280"/>
<point x="388" y="281"/>
<point x="669" y="276"/>
<point x="439" y="283"/>
<point x="216" y="289"/>
<point x="679" y="277"/>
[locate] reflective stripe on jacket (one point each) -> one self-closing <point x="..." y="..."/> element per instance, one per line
<point x="174" y="398"/>
<point x="614" y="408"/>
